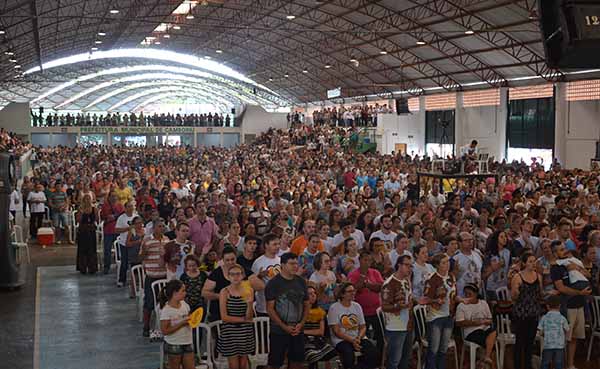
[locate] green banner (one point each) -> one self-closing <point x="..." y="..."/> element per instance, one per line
<point x="137" y="130"/>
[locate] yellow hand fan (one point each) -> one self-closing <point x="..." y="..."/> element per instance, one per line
<point x="246" y="289"/>
<point x="196" y="317"/>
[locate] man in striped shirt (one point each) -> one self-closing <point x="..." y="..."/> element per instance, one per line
<point x="151" y="253"/>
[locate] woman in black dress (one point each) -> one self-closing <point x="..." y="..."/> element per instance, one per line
<point x="87" y="259"/>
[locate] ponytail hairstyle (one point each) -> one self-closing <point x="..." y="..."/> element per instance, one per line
<point x="166" y="293"/>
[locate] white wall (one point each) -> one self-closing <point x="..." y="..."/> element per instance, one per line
<point x="486" y="124"/>
<point x="257" y="120"/>
<point x="15" y="117"/>
<point x="408" y="129"/>
<point x="577" y="130"/>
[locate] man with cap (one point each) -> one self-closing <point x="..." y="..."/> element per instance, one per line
<point x="475" y="318"/>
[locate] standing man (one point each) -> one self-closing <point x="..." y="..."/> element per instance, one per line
<point x="396" y="303"/>
<point x="203" y="230"/>
<point x="468" y="262"/>
<point x="385" y="233"/>
<point x="122" y="228"/>
<point x="110" y="211"/>
<point x="287" y="306"/>
<point x="59" y="203"/>
<point x="300" y="243"/>
<point x="37" y="208"/>
<point x="573" y="300"/>
<point x="266" y="267"/>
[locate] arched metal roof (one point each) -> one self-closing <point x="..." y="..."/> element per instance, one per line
<point x="298" y="49"/>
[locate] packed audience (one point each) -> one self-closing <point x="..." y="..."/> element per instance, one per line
<point x="9" y="142"/>
<point x="325" y="242"/>
<point x="132" y="120"/>
<point x="357" y="115"/>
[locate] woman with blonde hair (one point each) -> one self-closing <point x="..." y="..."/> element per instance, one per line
<point x="87" y="259"/>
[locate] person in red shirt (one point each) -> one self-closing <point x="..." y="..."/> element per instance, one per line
<point x="368" y="282"/>
<point x="109" y="213"/>
<point x="350" y="179"/>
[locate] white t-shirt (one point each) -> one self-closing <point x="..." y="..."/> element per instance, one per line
<point x="273" y="267"/>
<point x="469" y="270"/>
<point x="420" y="276"/>
<point x="348" y="319"/>
<point x="387" y="238"/>
<point x="123" y="222"/>
<point x="480" y="310"/>
<point x="394" y="255"/>
<point x="37" y="196"/>
<point x="15" y="200"/>
<point x="183" y="336"/>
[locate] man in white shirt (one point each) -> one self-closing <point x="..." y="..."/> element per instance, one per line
<point x="435" y="198"/>
<point x="265" y="268"/>
<point x="122" y="227"/>
<point x="401" y="244"/>
<point x="468" y="263"/>
<point x="37" y="207"/>
<point x="547" y="199"/>
<point x="468" y="211"/>
<point x="385" y="233"/>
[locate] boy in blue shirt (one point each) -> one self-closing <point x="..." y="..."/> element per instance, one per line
<point x="553" y="327"/>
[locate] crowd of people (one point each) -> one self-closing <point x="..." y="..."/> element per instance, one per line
<point x="356" y="115"/>
<point x="325" y="242"/>
<point x="10" y="142"/>
<point x="132" y="120"/>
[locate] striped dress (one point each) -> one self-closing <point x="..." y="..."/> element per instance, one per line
<point x="236" y="338"/>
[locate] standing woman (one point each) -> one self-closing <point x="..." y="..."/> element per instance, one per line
<point x="236" y="340"/>
<point x="526" y="290"/>
<point x="440" y="295"/>
<point x="497" y="264"/>
<point x="87" y="258"/>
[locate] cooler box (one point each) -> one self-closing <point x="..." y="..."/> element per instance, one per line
<point x="45" y="236"/>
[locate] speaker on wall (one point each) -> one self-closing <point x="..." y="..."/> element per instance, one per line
<point x="570" y="33"/>
<point x="233" y="111"/>
<point x="402" y="106"/>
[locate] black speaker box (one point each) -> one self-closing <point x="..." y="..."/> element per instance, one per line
<point x="402" y="106"/>
<point x="570" y="33"/>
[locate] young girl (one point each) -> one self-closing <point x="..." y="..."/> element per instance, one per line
<point x="316" y="347"/>
<point x="324" y="280"/>
<point x="237" y="340"/>
<point x="194" y="280"/>
<point x="174" y="312"/>
<point x="134" y="240"/>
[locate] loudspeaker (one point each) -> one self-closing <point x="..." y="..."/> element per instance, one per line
<point x="570" y="33"/>
<point x="402" y="106"/>
<point x="11" y="273"/>
<point x="233" y="111"/>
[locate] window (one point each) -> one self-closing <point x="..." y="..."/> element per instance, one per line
<point x="439" y="132"/>
<point x="489" y="97"/>
<point x="531" y="124"/>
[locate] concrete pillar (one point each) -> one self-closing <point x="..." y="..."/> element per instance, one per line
<point x="560" y="124"/>
<point x="501" y="121"/>
<point x="459" y="123"/>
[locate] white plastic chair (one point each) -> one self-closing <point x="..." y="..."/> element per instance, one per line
<point x="204" y="352"/>
<point x="157" y="286"/>
<point x="138" y="275"/>
<point x="438" y="161"/>
<point x="482" y="163"/>
<point x="420" y="312"/>
<point x="503" y="294"/>
<point x="218" y="361"/>
<point x="74" y="226"/>
<point x="117" y="252"/>
<point x="262" y="328"/>
<point x="504" y="336"/>
<point x="595" y="324"/>
<point x="46" y="219"/>
<point x="20" y="244"/>
<point x="472" y="346"/>
<point x="100" y="244"/>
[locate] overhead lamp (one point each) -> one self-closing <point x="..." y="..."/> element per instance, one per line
<point x="167" y="35"/>
<point x="101" y="33"/>
<point x="327" y="66"/>
<point x="290" y="17"/>
<point x="383" y="52"/>
<point x="114" y="11"/>
<point x="286" y="75"/>
<point x="12" y="60"/>
<point x="17" y="66"/>
<point x="421" y="42"/>
<point x="97" y="42"/>
<point x="304" y="71"/>
<point x="270" y="79"/>
<point x="176" y="27"/>
<point x="2" y="31"/>
<point x="469" y="32"/>
<point x="189" y="16"/>
<point x="94" y="49"/>
<point x="533" y="15"/>
<point x="9" y="53"/>
<point x="219" y="51"/>
<point x="157" y="42"/>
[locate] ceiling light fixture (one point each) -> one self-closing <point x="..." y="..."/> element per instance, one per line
<point x="219" y="51"/>
<point x="167" y="35"/>
<point x="270" y="79"/>
<point x="421" y="42"/>
<point x="383" y="52"/>
<point x="304" y="71"/>
<point x="353" y="60"/>
<point x="114" y="11"/>
<point x="469" y="32"/>
<point x="97" y="42"/>
<point x="286" y="75"/>
<point x="12" y="60"/>
<point x="207" y="57"/>
<point x="2" y="31"/>
<point x="533" y="15"/>
<point x="290" y="17"/>
<point x="157" y="43"/>
<point x="17" y="66"/>
<point x="94" y="49"/>
<point x="101" y="33"/>
<point x="176" y="27"/>
<point x="327" y="66"/>
<point x="190" y="16"/>
<point x="9" y="53"/>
